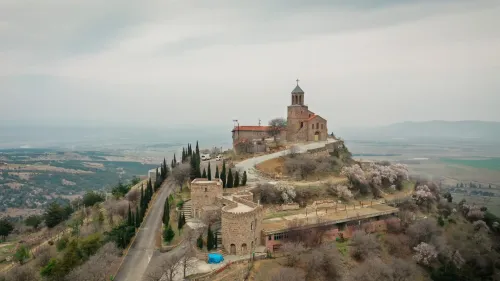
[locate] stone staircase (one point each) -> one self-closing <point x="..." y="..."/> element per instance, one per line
<point x="187" y="210"/>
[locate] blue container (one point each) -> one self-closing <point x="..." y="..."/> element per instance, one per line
<point x="215" y="258"/>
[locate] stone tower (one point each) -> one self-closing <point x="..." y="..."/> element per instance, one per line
<point x="297" y="114"/>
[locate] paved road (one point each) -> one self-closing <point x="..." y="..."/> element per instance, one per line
<point x="248" y="165"/>
<point x="138" y="257"/>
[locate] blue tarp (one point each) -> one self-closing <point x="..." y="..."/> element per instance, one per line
<point x="215" y="258"/>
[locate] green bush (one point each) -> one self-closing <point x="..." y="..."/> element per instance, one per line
<point x="22" y="254"/>
<point x="180" y="204"/>
<point x="91" y="198"/>
<point x="440" y="221"/>
<point x="62" y="243"/>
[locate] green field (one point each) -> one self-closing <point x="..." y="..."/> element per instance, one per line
<point x="492" y="203"/>
<point x="486" y="163"/>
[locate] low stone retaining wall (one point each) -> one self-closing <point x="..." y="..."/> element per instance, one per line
<point x="291" y="206"/>
<point x="212" y="274"/>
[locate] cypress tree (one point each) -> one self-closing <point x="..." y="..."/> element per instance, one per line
<point x="210" y="239"/>
<point x="197" y="150"/>
<point x="223" y="173"/>
<point x="204" y="174"/>
<point x="190" y="151"/>
<point x="165" y="167"/>
<point x="230" y="180"/>
<point x="168" y="234"/>
<point x="194" y="167"/>
<point x="244" y="179"/>
<point x="216" y="171"/>
<point x="142" y="197"/>
<point x="209" y="172"/>
<point x="166" y="212"/>
<point x="179" y="222"/>
<point x="130" y="219"/>
<point x="172" y="164"/>
<point x="183" y="155"/>
<point x="174" y="161"/>
<point x="137" y="217"/>
<point x="199" y="242"/>
<point x="157" y="180"/>
<point x="236" y="179"/>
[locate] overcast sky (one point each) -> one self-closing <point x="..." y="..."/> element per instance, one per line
<point x="182" y="62"/>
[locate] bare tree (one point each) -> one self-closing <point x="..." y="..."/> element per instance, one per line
<point x="98" y="265"/>
<point x="43" y="256"/>
<point x="300" y="166"/>
<point x="165" y="268"/>
<point x="398" y="245"/>
<point x="364" y="245"/>
<point x="133" y="196"/>
<point x="180" y="174"/>
<point x="292" y="252"/>
<point x="372" y="270"/>
<point x="422" y="231"/>
<point x="277" y="125"/>
<point x="22" y="273"/>
<point x="288" y="274"/>
<point x="403" y="270"/>
<point x="314" y="264"/>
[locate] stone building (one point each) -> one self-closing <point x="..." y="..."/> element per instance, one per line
<point x="244" y="229"/>
<point x="204" y="196"/>
<point x="240" y="217"/>
<point x="303" y="125"/>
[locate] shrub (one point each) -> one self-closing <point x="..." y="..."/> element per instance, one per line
<point x="62" y="243"/>
<point x="22" y="254"/>
<point x="91" y="198"/>
<point x="440" y="221"/>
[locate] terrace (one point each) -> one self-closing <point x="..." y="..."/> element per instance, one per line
<point x="325" y="217"/>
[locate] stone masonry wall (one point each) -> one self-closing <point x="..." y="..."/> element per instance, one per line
<point x="204" y="193"/>
<point x="241" y="231"/>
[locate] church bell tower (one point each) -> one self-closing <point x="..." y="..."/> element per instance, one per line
<point x="297" y="95"/>
<point x="297" y="114"/>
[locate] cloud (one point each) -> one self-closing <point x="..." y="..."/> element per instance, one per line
<point x="210" y="62"/>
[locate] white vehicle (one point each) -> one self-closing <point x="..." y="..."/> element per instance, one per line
<point x="218" y="158"/>
<point x="205" y="157"/>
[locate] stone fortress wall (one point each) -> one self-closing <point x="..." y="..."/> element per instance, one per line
<point x="241" y="222"/>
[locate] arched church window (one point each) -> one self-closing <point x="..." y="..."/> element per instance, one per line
<point x="317" y="125"/>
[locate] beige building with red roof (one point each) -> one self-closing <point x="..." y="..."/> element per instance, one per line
<point x="303" y="125"/>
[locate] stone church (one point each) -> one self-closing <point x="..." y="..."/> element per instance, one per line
<point x="303" y="125"/>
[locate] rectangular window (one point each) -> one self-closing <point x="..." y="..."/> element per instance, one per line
<point x="312" y="126"/>
<point x="321" y="126"/>
<point x="278" y="236"/>
<point x="341" y="226"/>
<point x="269" y="238"/>
<point x="301" y="124"/>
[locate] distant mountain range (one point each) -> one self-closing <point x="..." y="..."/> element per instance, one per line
<point x="478" y="130"/>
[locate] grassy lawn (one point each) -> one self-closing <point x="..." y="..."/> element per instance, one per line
<point x="486" y="163"/>
<point x="343" y="247"/>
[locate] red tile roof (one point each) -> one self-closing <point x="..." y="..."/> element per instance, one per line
<point x="252" y="128"/>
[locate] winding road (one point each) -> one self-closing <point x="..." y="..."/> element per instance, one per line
<point x="143" y="248"/>
<point x="249" y="164"/>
